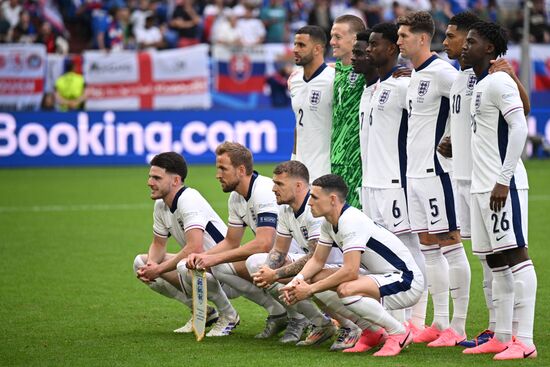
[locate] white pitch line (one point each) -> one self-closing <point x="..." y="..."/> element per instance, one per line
<point x="73" y="208"/>
<point x="108" y="207"/>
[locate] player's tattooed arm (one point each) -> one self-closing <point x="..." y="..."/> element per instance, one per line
<point x="294" y="268"/>
<point x="275" y="259"/>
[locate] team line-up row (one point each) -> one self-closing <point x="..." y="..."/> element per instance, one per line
<point x="369" y="135"/>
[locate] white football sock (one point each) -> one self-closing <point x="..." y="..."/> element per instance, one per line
<point x="503" y="301"/>
<point x="459" y="283"/>
<point x="437" y="272"/>
<point x="334" y="303"/>
<point x="525" y="288"/>
<point x="164" y="287"/>
<point x="488" y="291"/>
<point x="248" y="290"/>
<point x="412" y="243"/>
<point x="398" y="314"/>
<point x="418" y="316"/>
<point x="372" y="311"/>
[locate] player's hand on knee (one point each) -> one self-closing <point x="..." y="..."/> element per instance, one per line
<point x="191" y="261"/>
<point x="264" y="277"/>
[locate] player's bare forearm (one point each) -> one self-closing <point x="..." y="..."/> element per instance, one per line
<point x="156" y="253"/>
<point x="524" y="97"/>
<point x="294" y="268"/>
<point x="240" y="253"/>
<point x="275" y="259"/>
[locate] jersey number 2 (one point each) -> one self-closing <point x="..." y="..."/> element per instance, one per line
<point x="301" y="113"/>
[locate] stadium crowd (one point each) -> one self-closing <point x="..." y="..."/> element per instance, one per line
<point x="75" y="25"/>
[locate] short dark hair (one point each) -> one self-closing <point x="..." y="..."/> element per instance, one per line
<point x="333" y="183"/>
<point x="316" y="33"/>
<point x="387" y="30"/>
<point x="493" y="33"/>
<point x="294" y="169"/>
<point x="464" y="21"/>
<point x="238" y="154"/>
<point x="172" y="162"/>
<point x="355" y="24"/>
<point x="419" y="21"/>
<point x="364" y="35"/>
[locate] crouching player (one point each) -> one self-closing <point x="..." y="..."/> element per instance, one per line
<point x="182" y="212"/>
<point x="273" y="270"/>
<point x="393" y="280"/>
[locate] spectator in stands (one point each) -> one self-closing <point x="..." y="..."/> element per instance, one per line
<point x="48" y="102"/>
<point x="70" y="90"/>
<point x="278" y="85"/>
<point x="251" y="30"/>
<point x="539" y="31"/>
<point x="116" y="36"/>
<point x="320" y="15"/>
<point x="24" y="31"/>
<point x="212" y="12"/>
<point x="137" y="19"/>
<point x="11" y="9"/>
<point x="224" y="30"/>
<point x="356" y="8"/>
<point x="274" y="18"/>
<point x="54" y="43"/>
<point x="185" y="21"/>
<point x="441" y="14"/>
<point x="4" y="27"/>
<point x="150" y="36"/>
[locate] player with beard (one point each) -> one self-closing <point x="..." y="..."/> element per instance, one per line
<point x="311" y="91"/>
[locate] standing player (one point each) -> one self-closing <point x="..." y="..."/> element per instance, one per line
<point x="385" y="168"/>
<point x="429" y="189"/>
<point x="345" y="152"/>
<point x="251" y="203"/>
<point x="499" y="195"/>
<point x="393" y="278"/>
<point x="460" y="150"/>
<point x="183" y="213"/>
<point x="362" y="66"/>
<point x="311" y="91"/>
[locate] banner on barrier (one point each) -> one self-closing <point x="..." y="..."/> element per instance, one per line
<point x="118" y="138"/>
<point x="170" y="79"/>
<point x="22" y="70"/>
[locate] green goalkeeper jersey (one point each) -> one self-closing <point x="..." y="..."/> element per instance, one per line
<point x="345" y="152"/>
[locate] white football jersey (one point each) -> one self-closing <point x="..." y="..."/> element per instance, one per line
<point x="312" y="106"/>
<point x="428" y="106"/>
<point x="495" y="96"/>
<point x="382" y="251"/>
<point x="189" y="210"/>
<point x="303" y="227"/>
<point x="387" y="142"/>
<point x="461" y="130"/>
<point x="364" y="113"/>
<point x="258" y="209"/>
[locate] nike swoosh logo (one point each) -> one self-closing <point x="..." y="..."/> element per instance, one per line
<point x="398" y="223"/>
<point x="454" y="289"/>
<point x="434" y="222"/>
<point x="526" y="355"/>
<point x="402" y="344"/>
<point x="501" y="237"/>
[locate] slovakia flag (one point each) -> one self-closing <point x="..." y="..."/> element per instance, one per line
<point x="238" y="69"/>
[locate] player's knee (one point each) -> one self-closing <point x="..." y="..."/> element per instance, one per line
<point x="344" y="290"/>
<point x="254" y="262"/>
<point x="182" y="267"/>
<point x="139" y="261"/>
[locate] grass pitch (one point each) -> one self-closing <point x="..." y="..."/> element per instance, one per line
<point x="68" y="238"/>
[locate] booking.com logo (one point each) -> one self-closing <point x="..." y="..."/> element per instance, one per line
<point x="120" y="138"/>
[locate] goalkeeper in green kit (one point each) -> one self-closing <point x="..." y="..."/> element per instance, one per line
<point x="345" y="154"/>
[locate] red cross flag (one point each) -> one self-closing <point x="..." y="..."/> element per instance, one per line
<point x="172" y="79"/>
